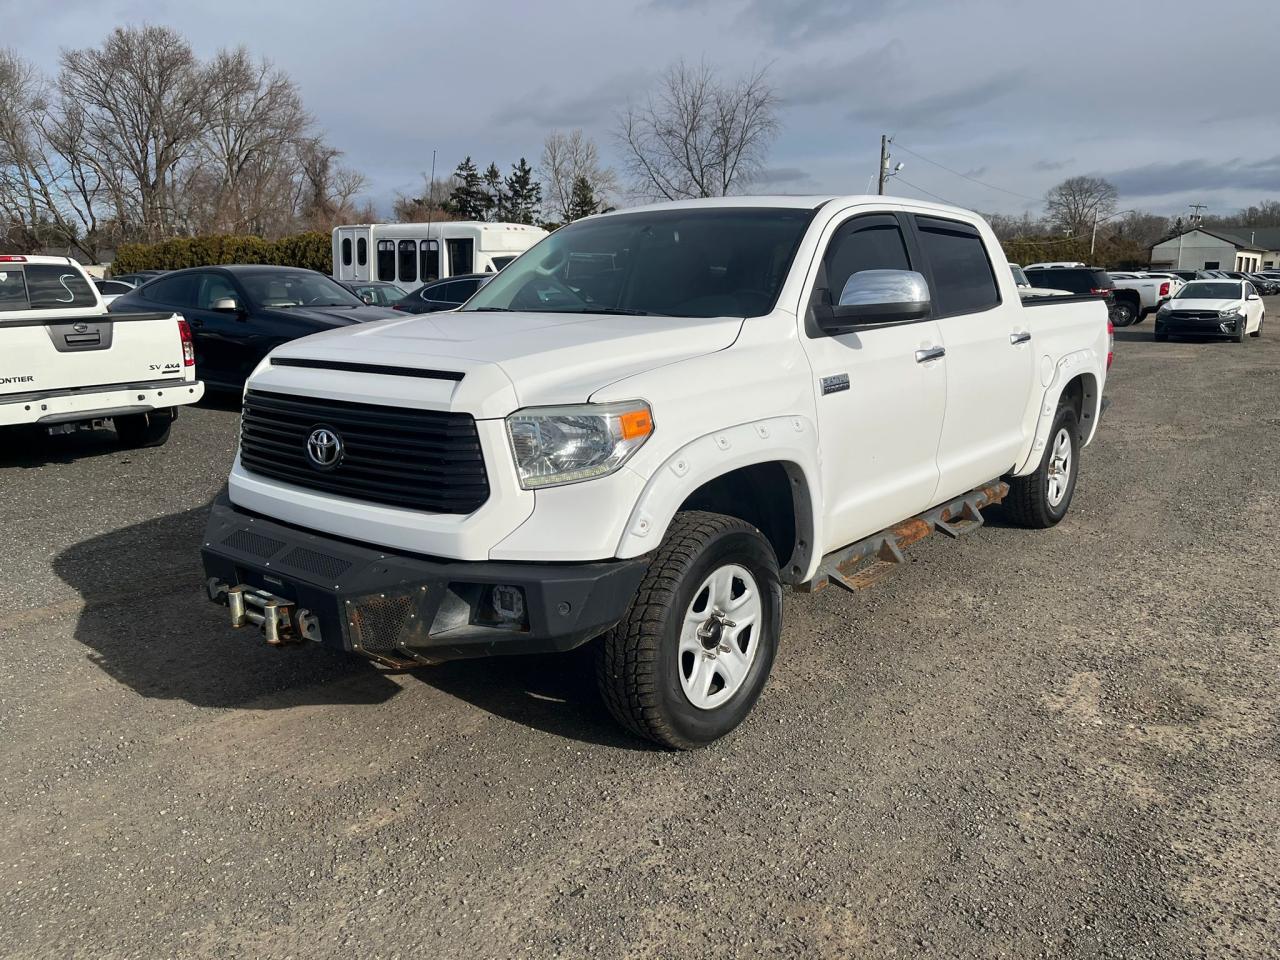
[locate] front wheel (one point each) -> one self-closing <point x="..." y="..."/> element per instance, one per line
<point x="145" y="429"/>
<point x="689" y="659"/>
<point x="1258" y="332"/>
<point x="1041" y="499"/>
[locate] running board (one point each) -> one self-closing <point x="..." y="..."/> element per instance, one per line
<point x="867" y="562"/>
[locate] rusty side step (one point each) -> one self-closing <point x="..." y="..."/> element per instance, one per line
<point x="867" y="562"/>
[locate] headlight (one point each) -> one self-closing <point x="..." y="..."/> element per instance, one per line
<point x="556" y="445"/>
<point x="1228" y="314"/>
<point x="1164" y="308"/>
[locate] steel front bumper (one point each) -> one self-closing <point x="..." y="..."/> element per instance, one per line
<point x="96" y="403"/>
<point x="399" y="608"/>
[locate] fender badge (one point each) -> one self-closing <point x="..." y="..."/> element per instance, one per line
<point x="835" y="384"/>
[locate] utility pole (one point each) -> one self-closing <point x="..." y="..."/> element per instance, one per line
<point x="1195" y="212"/>
<point x="884" y="162"/>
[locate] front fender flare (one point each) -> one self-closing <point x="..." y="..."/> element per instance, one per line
<point x="790" y="440"/>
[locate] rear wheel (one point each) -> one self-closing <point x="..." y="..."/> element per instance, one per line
<point x="1124" y="313"/>
<point x="1041" y="499"/>
<point x="145" y="429"/>
<point x="687" y="663"/>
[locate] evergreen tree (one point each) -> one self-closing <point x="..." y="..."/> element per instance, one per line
<point x="524" y="194"/>
<point x="495" y="196"/>
<point x="582" y="201"/>
<point x="469" y="199"/>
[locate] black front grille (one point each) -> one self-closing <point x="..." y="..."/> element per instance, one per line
<point x="421" y="459"/>
<point x="1194" y="315"/>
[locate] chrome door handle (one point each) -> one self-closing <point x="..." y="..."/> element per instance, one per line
<point x="1017" y="338"/>
<point x="933" y="353"/>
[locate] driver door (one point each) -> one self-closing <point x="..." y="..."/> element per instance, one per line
<point x="216" y="332"/>
<point x="880" y="392"/>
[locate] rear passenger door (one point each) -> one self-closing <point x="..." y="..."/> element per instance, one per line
<point x="990" y="356"/>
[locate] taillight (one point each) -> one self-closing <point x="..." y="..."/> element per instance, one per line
<point x="1099" y="291"/>
<point x="188" y="348"/>
<point x="1111" y="343"/>
<point x="1164" y="289"/>
<point x="12" y="258"/>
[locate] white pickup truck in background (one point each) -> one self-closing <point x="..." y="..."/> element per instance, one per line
<point x="1138" y="294"/>
<point x="65" y="363"/>
<point x="644" y="428"/>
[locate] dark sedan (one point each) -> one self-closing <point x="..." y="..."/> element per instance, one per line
<point x="238" y="314"/>
<point x="447" y="294"/>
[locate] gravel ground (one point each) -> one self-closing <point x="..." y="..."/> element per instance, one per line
<point x="1058" y="743"/>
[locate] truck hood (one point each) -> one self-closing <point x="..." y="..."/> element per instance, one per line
<point x="548" y="358"/>
<point x="1180" y="304"/>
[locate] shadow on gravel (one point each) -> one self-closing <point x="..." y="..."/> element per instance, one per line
<point x="147" y="623"/>
<point x="555" y="693"/>
<point x="29" y="447"/>
<point x="1137" y="334"/>
<point x="216" y="398"/>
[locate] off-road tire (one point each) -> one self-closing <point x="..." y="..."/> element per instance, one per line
<point x="1027" y="504"/>
<point x="145" y="429"/>
<point x="637" y="662"/>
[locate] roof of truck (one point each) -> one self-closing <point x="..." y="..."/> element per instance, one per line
<point x="790" y="201"/>
<point x="35" y="258"/>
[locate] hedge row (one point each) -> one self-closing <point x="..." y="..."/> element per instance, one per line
<point x="311" y="250"/>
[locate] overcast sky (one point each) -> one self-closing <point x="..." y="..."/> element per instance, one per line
<point x="1170" y="101"/>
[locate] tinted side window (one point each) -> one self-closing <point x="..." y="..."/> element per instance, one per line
<point x="460" y="256"/>
<point x="440" y="292"/>
<point x="963" y="281"/>
<point x="13" y="290"/>
<point x="214" y="286"/>
<point x="387" y="260"/>
<point x="463" y="289"/>
<point x="177" y="291"/>
<point x="362" y="251"/>
<point x="346" y="251"/>
<point x="50" y="285"/>
<point x="409" y="261"/>
<point x="430" y="260"/>
<point x="864" y="243"/>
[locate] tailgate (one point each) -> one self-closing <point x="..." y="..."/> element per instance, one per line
<point x="60" y="353"/>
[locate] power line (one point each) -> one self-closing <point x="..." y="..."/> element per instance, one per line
<point x="965" y="176"/>
<point x="925" y="192"/>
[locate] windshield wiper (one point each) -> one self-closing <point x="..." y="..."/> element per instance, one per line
<point x="618" y="312"/>
<point x="488" y="310"/>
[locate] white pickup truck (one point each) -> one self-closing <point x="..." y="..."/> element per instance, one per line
<point x="65" y="363"/>
<point x="644" y="428"/>
<point x="1138" y="294"/>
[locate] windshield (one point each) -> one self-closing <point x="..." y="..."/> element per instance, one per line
<point x="710" y="262"/>
<point x="1206" y="290"/>
<point x="304" y="288"/>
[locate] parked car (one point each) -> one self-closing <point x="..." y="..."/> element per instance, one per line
<point x="109" y="290"/>
<point x="138" y="278"/>
<point x="741" y="393"/>
<point x="1055" y="265"/>
<point x="1025" y="289"/>
<point x="443" y="294"/>
<point x="1213" y="308"/>
<point x="239" y="313"/>
<point x="376" y="293"/>
<point x="1186" y="276"/>
<point x="65" y="364"/>
<point x="1267" y="286"/>
<point x="1083" y="281"/>
<point x="1138" y="295"/>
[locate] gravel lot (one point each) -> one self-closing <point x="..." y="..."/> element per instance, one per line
<point x="1057" y="744"/>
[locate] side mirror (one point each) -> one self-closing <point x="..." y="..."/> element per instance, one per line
<point x="225" y="305"/>
<point x="876" y="297"/>
<point x="1254" y="296"/>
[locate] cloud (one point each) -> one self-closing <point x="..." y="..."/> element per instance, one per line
<point x="792" y="21"/>
<point x="824" y="81"/>
<point x="592" y="107"/>
<point x="939" y="109"/>
<point x="1048" y="166"/>
<point x="793" y="177"/>
<point x="1160" y="179"/>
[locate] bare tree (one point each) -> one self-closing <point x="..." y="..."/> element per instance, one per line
<point x="249" y="147"/>
<point x="568" y="158"/>
<point x="327" y="192"/>
<point x="1077" y="202"/>
<point x="427" y="205"/>
<point x="696" y="136"/>
<point x="144" y="101"/>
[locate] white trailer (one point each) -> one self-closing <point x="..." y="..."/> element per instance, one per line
<point x="411" y="254"/>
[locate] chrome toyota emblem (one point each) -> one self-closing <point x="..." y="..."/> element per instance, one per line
<point x="324" y="448"/>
